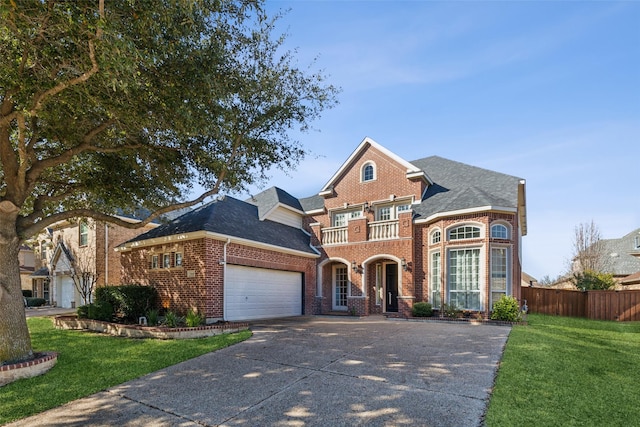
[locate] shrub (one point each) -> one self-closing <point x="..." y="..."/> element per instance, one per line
<point x="172" y="320"/>
<point x="152" y="317"/>
<point x="83" y="312"/>
<point x="129" y="301"/>
<point x="590" y="280"/>
<point x="35" y="302"/>
<point x="422" y="309"/>
<point x="506" y="309"/>
<point x="27" y="293"/>
<point x="193" y="319"/>
<point x="100" y="310"/>
<point x="451" y="310"/>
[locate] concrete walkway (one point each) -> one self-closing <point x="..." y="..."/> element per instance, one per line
<point x="312" y="371"/>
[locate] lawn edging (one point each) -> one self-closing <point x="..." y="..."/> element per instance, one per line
<point x="39" y="365"/>
<point x="138" y="331"/>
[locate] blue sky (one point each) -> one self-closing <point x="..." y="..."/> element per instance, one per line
<point x="546" y="91"/>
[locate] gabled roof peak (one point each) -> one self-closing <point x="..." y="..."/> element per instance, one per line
<point x="413" y="171"/>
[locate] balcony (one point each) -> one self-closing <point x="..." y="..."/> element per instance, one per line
<point x="383" y="230"/>
<point x="335" y="235"/>
<point x="378" y="230"/>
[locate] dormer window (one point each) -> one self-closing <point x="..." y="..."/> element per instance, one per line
<point x="637" y="242"/>
<point x="368" y="172"/>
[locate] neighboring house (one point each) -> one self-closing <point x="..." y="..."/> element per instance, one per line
<point x="27" y="266"/>
<point x="622" y="259"/>
<point x="382" y="234"/>
<point x="83" y="245"/>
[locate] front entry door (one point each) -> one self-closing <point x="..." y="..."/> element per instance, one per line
<point x="340" y="288"/>
<point x="391" y="287"/>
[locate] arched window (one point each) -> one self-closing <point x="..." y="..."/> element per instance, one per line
<point x="368" y="172"/>
<point x="464" y="232"/>
<point x="499" y="231"/>
<point x="435" y="237"/>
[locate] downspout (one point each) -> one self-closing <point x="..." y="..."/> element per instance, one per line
<point x="224" y="279"/>
<point x="106" y="254"/>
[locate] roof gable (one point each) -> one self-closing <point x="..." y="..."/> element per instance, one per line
<point x="412" y="172"/>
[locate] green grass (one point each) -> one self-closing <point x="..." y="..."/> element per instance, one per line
<point x="561" y="371"/>
<point x="89" y="362"/>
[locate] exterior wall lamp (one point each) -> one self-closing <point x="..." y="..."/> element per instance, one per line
<point x="403" y="264"/>
<point x="354" y="266"/>
<point x="366" y="207"/>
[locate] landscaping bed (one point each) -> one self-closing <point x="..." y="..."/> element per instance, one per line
<point x="138" y="331"/>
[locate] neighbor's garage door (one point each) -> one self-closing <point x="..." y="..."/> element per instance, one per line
<point x="260" y="293"/>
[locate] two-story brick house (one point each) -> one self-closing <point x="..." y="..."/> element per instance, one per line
<point x="382" y="234"/>
<point x="85" y="245"/>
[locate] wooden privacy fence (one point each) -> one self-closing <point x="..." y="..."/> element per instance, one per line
<point x="600" y="305"/>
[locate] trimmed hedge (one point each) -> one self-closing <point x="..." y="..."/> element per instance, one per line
<point x="27" y="293"/>
<point x="35" y="302"/>
<point x="422" y="309"/>
<point x="129" y="302"/>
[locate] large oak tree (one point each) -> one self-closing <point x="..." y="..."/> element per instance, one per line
<point x="110" y="106"/>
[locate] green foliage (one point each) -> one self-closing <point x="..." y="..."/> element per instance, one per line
<point x="563" y="371"/>
<point x="83" y="312"/>
<point x="451" y="311"/>
<point x="507" y="309"/>
<point x="27" y="293"/>
<point x="88" y="363"/>
<point x="590" y="280"/>
<point x="129" y="301"/>
<point x="422" y="309"/>
<point x="35" y="302"/>
<point x="152" y="317"/>
<point x="100" y="310"/>
<point x="193" y="319"/>
<point x="172" y="320"/>
<point x="156" y="98"/>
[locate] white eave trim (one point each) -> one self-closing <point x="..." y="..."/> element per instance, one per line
<point x="315" y="212"/>
<point x="411" y="169"/>
<point x="466" y="212"/>
<point x="176" y="238"/>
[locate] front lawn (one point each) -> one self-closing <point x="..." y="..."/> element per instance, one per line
<point x="561" y="371"/>
<point x="89" y="362"/>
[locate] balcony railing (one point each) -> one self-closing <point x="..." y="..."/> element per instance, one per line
<point x="383" y="230"/>
<point x="334" y="235"/>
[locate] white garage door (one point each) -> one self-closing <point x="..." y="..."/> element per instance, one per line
<point x="260" y="293"/>
<point x="67" y="291"/>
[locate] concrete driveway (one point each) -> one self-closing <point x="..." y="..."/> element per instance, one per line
<point x="313" y="371"/>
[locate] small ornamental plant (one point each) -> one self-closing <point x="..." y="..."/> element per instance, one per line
<point x="193" y="319"/>
<point x="506" y="309"/>
<point x="422" y="309"/>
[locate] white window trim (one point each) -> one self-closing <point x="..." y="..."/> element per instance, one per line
<point x="482" y="284"/>
<point x="432" y="234"/>
<point x="464" y="224"/>
<point x="375" y="171"/>
<point x="504" y="224"/>
<point x="509" y="266"/>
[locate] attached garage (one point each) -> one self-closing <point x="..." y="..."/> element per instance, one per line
<point x="260" y="293"/>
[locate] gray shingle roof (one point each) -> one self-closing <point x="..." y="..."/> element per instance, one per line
<point x="461" y="186"/>
<point x="271" y="197"/>
<point x="619" y="260"/>
<point x="235" y="218"/>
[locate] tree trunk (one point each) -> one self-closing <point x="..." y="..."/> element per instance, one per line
<point x="15" y="342"/>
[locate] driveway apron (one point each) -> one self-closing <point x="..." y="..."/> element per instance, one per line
<point x="313" y="371"/>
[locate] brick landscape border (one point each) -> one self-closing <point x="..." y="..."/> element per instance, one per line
<point x="158" y="332"/>
<point x="40" y="364"/>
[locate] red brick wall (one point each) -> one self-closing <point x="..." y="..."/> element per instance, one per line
<point x="109" y="273"/>
<point x="202" y="260"/>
